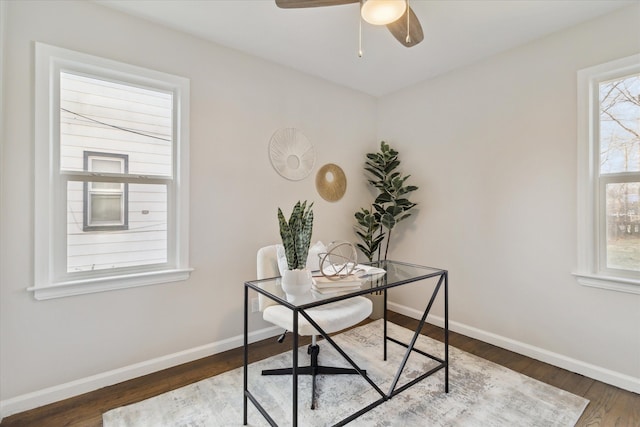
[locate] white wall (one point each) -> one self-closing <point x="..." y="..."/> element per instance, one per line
<point x="237" y="103"/>
<point x="493" y="148"/>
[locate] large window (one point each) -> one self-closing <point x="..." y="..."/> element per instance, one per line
<point x="111" y="195"/>
<point x="609" y="175"/>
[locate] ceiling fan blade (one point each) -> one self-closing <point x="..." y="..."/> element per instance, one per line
<point x="399" y="29"/>
<point x="292" y="4"/>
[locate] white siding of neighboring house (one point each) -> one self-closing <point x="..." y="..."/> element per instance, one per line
<point x="145" y="137"/>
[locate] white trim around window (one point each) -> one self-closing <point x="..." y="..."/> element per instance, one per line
<point x="591" y="270"/>
<point x="52" y="277"/>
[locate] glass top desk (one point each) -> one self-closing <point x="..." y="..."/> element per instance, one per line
<point x="397" y="274"/>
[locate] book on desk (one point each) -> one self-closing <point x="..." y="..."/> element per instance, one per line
<point x="335" y="285"/>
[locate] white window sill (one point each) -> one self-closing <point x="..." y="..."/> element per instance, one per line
<point x="87" y="286"/>
<point x="631" y="286"/>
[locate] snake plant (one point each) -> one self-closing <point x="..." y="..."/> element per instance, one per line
<point x="296" y="234"/>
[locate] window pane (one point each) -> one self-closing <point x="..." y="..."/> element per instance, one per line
<point x="106" y="165"/>
<point x="623" y="225"/>
<point x="106" y="186"/>
<point x="100" y="115"/>
<point x="106" y="209"/>
<point x="620" y="125"/>
<point x="143" y="243"/>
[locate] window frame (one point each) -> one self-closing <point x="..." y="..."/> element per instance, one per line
<point x="591" y="218"/>
<point x="50" y="279"/>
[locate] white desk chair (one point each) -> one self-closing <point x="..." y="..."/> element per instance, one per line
<point x="331" y="318"/>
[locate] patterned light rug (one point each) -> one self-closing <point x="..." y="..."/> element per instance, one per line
<point x="481" y="393"/>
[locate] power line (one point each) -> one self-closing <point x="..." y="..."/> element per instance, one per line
<point x="114" y="126"/>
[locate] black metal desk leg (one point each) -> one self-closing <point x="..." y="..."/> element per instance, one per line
<point x="246" y="355"/>
<point x="384" y="314"/>
<point x="294" y="370"/>
<point x="446" y="331"/>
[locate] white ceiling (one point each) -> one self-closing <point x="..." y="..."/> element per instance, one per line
<point x="323" y="41"/>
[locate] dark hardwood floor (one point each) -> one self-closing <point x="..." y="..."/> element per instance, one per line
<point x="609" y="406"/>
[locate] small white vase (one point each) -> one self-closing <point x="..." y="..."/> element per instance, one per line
<point x="297" y="285"/>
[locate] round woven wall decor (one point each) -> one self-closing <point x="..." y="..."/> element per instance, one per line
<point x="331" y="182"/>
<point x="291" y="154"/>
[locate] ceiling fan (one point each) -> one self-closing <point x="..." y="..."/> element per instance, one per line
<point x="399" y="18"/>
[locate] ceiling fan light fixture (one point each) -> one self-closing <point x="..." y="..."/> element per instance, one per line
<point x="382" y="12"/>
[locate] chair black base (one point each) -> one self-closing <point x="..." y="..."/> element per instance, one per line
<point x="313" y="369"/>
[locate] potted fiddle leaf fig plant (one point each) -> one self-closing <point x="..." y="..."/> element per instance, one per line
<point x="296" y="239"/>
<point x="391" y="206"/>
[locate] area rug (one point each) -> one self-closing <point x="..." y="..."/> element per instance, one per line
<point x="481" y="393"/>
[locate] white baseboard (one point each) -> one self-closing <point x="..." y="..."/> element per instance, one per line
<point x="604" y="375"/>
<point x="49" y="395"/>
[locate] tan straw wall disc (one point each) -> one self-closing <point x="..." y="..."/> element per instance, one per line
<point x="331" y="182"/>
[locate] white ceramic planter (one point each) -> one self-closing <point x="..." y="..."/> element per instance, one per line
<point x="297" y="285"/>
